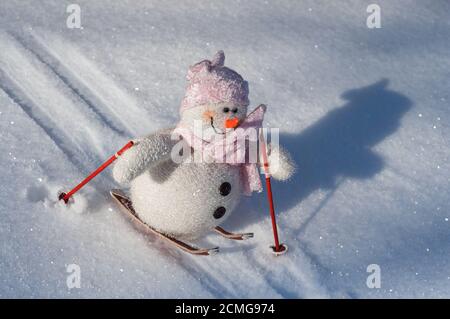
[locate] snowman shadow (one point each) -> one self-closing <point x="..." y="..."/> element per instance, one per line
<point x="337" y="146"/>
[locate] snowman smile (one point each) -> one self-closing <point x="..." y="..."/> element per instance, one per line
<point x="214" y="128"/>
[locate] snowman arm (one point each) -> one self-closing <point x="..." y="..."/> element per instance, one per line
<point x="281" y="164"/>
<point x="147" y="152"/>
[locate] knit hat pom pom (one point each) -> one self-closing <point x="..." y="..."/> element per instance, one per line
<point x="205" y="66"/>
<point x="218" y="59"/>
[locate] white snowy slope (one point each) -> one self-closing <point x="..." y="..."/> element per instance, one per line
<point x="365" y="113"/>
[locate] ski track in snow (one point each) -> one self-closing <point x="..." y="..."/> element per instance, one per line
<point x="97" y="89"/>
<point x="44" y="55"/>
<point x="47" y="105"/>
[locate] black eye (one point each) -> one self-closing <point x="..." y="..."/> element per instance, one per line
<point x="234" y="110"/>
<point x="226" y="109"/>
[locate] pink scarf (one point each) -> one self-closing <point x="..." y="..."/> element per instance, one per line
<point x="231" y="148"/>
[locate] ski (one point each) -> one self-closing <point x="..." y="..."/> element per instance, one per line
<point x="127" y="208"/>
<point x="235" y="236"/>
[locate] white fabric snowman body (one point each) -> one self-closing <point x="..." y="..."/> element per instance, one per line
<point x="171" y="190"/>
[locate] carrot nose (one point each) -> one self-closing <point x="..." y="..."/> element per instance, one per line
<point x="231" y="123"/>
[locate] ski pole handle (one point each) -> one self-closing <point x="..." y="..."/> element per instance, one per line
<point x="65" y="196"/>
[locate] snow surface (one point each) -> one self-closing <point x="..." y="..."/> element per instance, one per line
<point x="365" y="113"/>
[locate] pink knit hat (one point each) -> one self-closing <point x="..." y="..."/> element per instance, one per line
<point x="211" y="82"/>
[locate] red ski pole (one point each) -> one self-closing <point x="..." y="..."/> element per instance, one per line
<point x="278" y="249"/>
<point x="65" y="196"/>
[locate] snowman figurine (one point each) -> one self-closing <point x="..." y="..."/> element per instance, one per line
<point x="174" y="192"/>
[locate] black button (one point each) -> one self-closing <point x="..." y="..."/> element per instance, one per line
<point x="219" y="212"/>
<point x="225" y="189"/>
